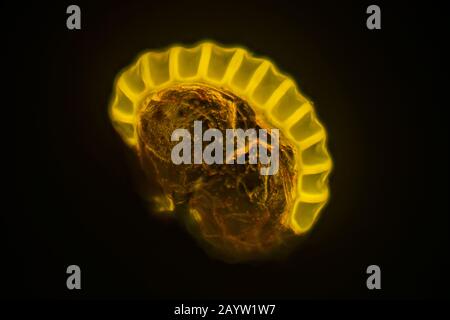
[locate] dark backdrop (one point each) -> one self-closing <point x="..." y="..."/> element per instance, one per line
<point x="72" y="199"/>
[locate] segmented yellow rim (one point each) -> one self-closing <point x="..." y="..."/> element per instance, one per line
<point x="255" y="80"/>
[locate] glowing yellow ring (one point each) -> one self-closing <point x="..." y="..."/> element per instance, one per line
<point x="255" y="80"/>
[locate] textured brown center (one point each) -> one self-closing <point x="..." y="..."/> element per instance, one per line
<point x="233" y="209"/>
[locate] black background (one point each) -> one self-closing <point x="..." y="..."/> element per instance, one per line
<point x="72" y="199"/>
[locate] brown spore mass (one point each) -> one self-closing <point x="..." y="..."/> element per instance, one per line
<point x="236" y="213"/>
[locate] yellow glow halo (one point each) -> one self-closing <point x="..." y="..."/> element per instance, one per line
<point x="255" y="80"/>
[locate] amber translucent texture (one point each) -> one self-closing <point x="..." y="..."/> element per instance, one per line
<point x="271" y="95"/>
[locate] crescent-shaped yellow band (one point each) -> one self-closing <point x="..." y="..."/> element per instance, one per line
<point x="257" y="81"/>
